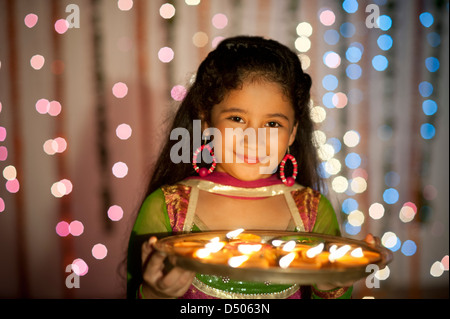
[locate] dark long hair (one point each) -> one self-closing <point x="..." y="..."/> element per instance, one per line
<point x="234" y="61"/>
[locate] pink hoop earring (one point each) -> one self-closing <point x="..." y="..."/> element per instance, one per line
<point x="290" y="180"/>
<point x="204" y="171"/>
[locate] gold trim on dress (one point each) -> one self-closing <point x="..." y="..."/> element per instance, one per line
<point x="217" y="293"/>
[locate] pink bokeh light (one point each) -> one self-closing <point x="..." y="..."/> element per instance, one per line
<point x="37" y="61"/>
<point x="120" y="169"/>
<point x="30" y="20"/>
<point x="13" y="186"/>
<point x="2" y="205"/>
<point x="42" y="106"/>
<point x="123" y="131"/>
<point x="166" y="54"/>
<point x="2" y="133"/>
<point x="120" y="90"/>
<point x="54" y="108"/>
<point x="115" y="213"/>
<point x="62" y="229"/>
<point x="61" y="26"/>
<point x="220" y="21"/>
<point x="327" y="17"/>
<point x="99" y="251"/>
<point x="3" y="153"/>
<point x="76" y="228"/>
<point x="178" y="92"/>
<point x="80" y="267"/>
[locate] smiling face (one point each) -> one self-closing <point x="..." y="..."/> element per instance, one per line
<point x="258" y="105"/>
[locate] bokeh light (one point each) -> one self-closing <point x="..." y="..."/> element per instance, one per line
<point x="2" y="133"/>
<point x="331" y="59"/>
<point x="120" y="169"/>
<point x="167" y="11"/>
<point x="10" y="173"/>
<point x="115" y="213"/>
<point x="384" y="22"/>
<point x="333" y="141"/>
<point x="318" y="114"/>
<point x="200" y="39"/>
<point x="331" y="37"/>
<point x="349" y="205"/>
<point x="390" y="196"/>
<point x="12" y="186"/>
<point x="76" y="228"/>
<point x="383" y="274"/>
<point x="80" y="267"/>
<point x="333" y="166"/>
<point x="30" y="20"/>
<point x="178" y="92"/>
<point x="339" y="100"/>
<point x="434" y="39"/>
<point x="61" y="26"/>
<point x="327" y="17"/>
<point x="62" y="229"/>
<point x="302" y="44"/>
<point x="353" y="160"/>
<point x="37" y="61"/>
<point x="380" y="62"/>
<point x="99" y="251"/>
<point x="125" y="5"/>
<point x="339" y="184"/>
<point x="392" y="179"/>
<point x="42" y="106"/>
<point x="407" y="212"/>
<point x="426" y="19"/>
<point x="428" y="131"/>
<point x="355" y="218"/>
<point x="325" y="152"/>
<point x="409" y="248"/>
<point x="350" y="6"/>
<point x="330" y="82"/>
<point x="385" y="42"/>
<point x="437" y="269"/>
<point x="358" y="185"/>
<point x="425" y="89"/>
<point x="351" y="138"/>
<point x="3" y="153"/>
<point x="2" y="205"/>
<point x="54" y="108"/>
<point x="123" y="131"/>
<point x="376" y="211"/>
<point x="219" y="21"/>
<point x="432" y="64"/>
<point x="391" y="241"/>
<point x="166" y="54"/>
<point x="304" y="29"/>
<point x="353" y="54"/>
<point x="120" y="90"/>
<point x="429" y="107"/>
<point x="353" y="71"/>
<point x="347" y="29"/>
<point x="192" y="2"/>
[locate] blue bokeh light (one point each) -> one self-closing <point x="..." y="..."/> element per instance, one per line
<point x="409" y="248"/>
<point x="322" y="171"/>
<point x="429" y="107"/>
<point x="432" y="64"/>
<point x="434" y="39"/>
<point x="353" y="54"/>
<point x="331" y="37"/>
<point x="350" y="6"/>
<point x="337" y="145"/>
<point x="392" y="179"/>
<point x="347" y="29"/>
<point x="380" y="62"/>
<point x="426" y="19"/>
<point x="327" y="100"/>
<point x="384" y="22"/>
<point x="425" y="89"/>
<point x="352" y="230"/>
<point x="385" y="42"/>
<point x="349" y="205"/>
<point x="353" y="160"/>
<point x="330" y="82"/>
<point x="353" y="71"/>
<point x="397" y="245"/>
<point x="427" y="131"/>
<point x="390" y="196"/>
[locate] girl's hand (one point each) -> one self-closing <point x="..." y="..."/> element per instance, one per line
<point x="156" y="283"/>
<point x="372" y="241"/>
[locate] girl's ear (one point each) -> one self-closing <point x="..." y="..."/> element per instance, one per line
<point x="293" y="134"/>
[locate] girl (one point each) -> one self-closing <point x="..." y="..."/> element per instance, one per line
<point x="245" y="84"/>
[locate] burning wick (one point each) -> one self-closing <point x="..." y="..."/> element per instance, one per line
<point x="358" y="253"/>
<point x="277" y="242"/>
<point x="248" y="249"/>
<point x="313" y="252"/>
<point x="285" y="261"/>
<point x="236" y="261"/>
<point x="234" y="233"/>
<point x="289" y="246"/>
<point x="338" y="253"/>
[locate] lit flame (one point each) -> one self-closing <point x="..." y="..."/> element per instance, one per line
<point x="285" y="261"/>
<point x="313" y="252"/>
<point x="236" y="261"/>
<point x="289" y="246"/>
<point x="338" y="253"/>
<point x="248" y="248"/>
<point x="214" y="247"/>
<point x="203" y="252"/>
<point x="358" y="253"/>
<point x="277" y="242"/>
<point x="234" y="233"/>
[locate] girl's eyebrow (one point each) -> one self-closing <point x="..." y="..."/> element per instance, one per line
<point x="278" y="115"/>
<point x="233" y="110"/>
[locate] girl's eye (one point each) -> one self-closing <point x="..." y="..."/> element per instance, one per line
<point x="236" y="119"/>
<point x="273" y="124"/>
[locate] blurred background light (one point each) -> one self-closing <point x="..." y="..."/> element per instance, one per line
<point x="385" y="42"/>
<point x="376" y="211"/>
<point x="428" y="131"/>
<point x="350" y="6"/>
<point x="331" y="37"/>
<point x="432" y="64"/>
<point x="384" y="22"/>
<point x="353" y="160"/>
<point x="390" y="196"/>
<point x="327" y="17"/>
<point x="380" y="62"/>
<point x="429" y="107"/>
<point x="330" y="82"/>
<point x="426" y="19"/>
<point x="347" y="29"/>
<point x="353" y="71"/>
<point x="425" y="89"/>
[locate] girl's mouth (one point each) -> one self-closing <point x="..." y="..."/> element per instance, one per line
<point x="248" y="159"/>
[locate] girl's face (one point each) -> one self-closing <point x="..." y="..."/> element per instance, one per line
<point x="266" y="117"/>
